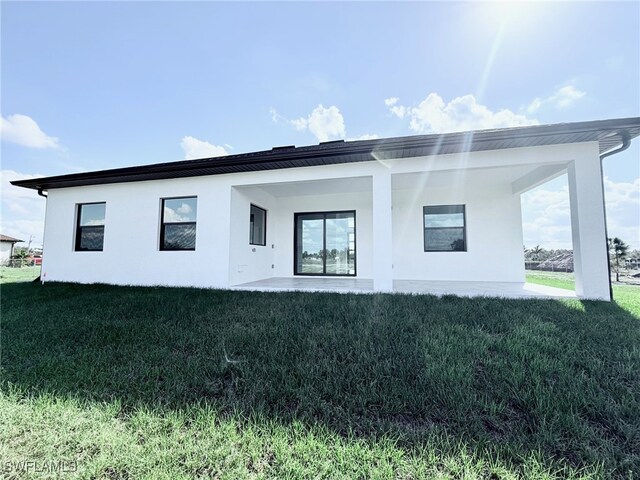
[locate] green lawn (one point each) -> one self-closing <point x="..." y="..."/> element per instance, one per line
<point x="186" y="383"/>
<point x="24" y="274"/>
<point x="552" y="279"/>
<point x="626" y="295"/>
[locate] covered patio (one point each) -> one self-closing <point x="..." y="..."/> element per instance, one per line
<point x="441" y="224"/>
<point x="422" y="287"/>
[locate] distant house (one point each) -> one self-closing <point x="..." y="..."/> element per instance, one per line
<point x="6" y="248"/>
<point x="562" y="262"/>
<point x="428" y="214"/>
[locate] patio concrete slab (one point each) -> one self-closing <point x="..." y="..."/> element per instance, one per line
<point x="428" y="287"/>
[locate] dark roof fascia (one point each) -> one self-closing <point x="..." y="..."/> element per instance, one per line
<point x="347" y="152"/>
<point x="4" y="238"/>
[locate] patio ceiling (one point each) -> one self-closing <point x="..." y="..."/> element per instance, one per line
<point x="317" y="187"/>
<point x="478" y="176"/>
<point x="403" y="181"/>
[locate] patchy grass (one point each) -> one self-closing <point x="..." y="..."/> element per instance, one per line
<point x="187" y="383"/>
<point x="24" y="274"/>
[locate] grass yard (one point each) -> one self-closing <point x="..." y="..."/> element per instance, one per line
<point x="552" y="279"/>
<point x="24" y="274"/>
<point x="117" y="382"/>
<point x="625" y="295"/>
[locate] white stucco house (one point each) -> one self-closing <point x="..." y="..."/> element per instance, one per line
<point x="430" y="213"/>
<point x="6" y="248"/>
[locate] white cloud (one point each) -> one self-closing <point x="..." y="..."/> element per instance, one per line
<point x="12" y="193"/>
<point x="561" y="98"/>
<point x="16" y="207"/>
<point x="546" y="214"/>
<point x="23" y="130"/>
<point x="546" y="217"/>
<point x="183" y="213"/>
<point x="623" y="210"/>
<point x="397" y="110"/>
<point x="300" y="123"/>
<point x="534" y="105"/>
<point x="324" y="123"/>
<point x="184" y="209"/>
<point x="194" y="148"/>
<point x="565" y="96"/>
<point x="275" y="116"/>
<point x="22" y="209"/>
<point x="433" y="115"/>
<point x="25" y="230"/>
<point x="171" y="215"/>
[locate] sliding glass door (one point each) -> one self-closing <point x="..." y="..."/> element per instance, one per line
<point x="325" y="243"/>
<point x="309" y="244"/>
<point x="340" y="243"/>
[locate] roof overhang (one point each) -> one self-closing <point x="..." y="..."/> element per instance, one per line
<point x="608" y="133"/>
<point x="10" y="240"/>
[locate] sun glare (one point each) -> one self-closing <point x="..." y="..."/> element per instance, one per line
<point x="513" y="13"/>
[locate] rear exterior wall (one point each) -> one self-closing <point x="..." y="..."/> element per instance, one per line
<point x="494" y="250"/>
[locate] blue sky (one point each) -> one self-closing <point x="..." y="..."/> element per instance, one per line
<point x="89" y="86"/>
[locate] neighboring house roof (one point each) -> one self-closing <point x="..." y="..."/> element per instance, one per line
<point x="5" y="238"/>
<point x="562" y="260"/>
<point x="608" y="133"/>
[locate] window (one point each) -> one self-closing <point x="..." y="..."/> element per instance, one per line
<point x="90" y="227"/>
<point x="178" y="226"/>
<point x="444" y="228"/>
<point x="258" y="226"/>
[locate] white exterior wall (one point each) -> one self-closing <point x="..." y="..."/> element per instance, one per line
<point x="223" y="256"/>
<point x="249" y="262"/>
<point x="5" y="252"/>
<point x="131" y="254"/>
<point x="283" y="223"/>
<point x="493" y="236"/>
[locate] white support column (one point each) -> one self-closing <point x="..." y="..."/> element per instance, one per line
<point x="590" y="250"/>
<point x="382" y="233"/>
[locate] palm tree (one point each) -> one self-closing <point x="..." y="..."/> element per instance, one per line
<point x="618" y="250"/>
<point x="535" y="252"/>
